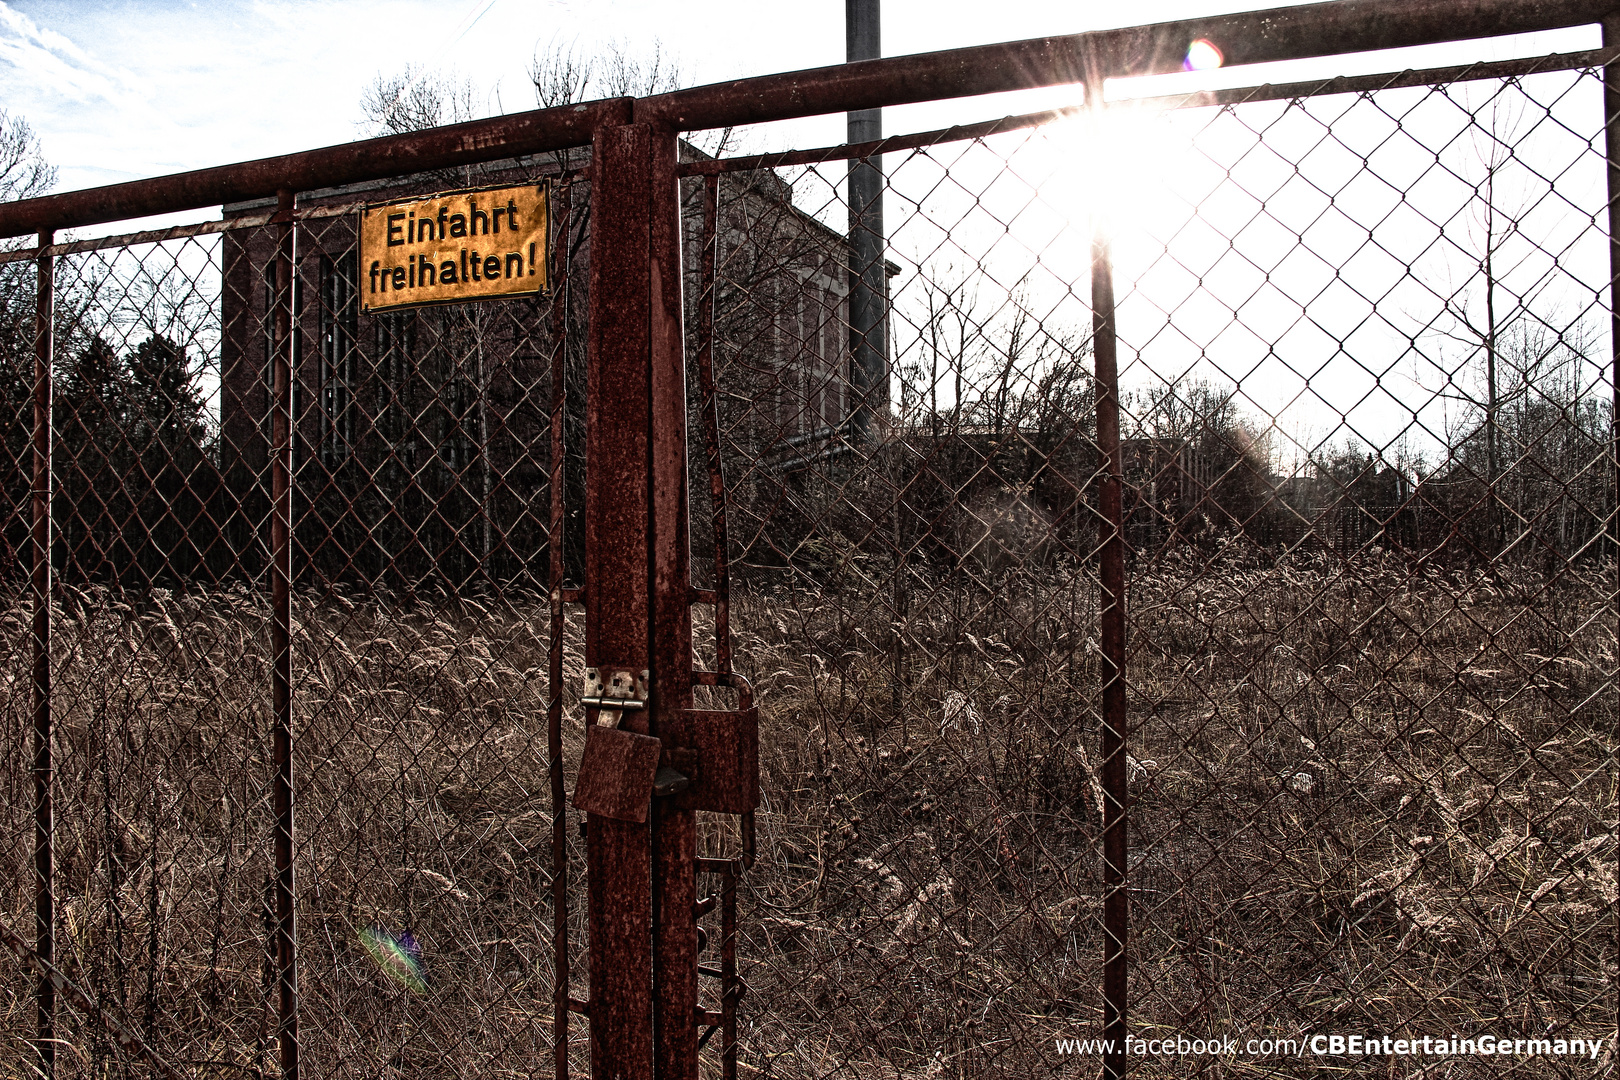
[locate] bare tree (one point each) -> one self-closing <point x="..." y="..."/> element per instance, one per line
<point x="562" y="74"/>
<point x="416" y="99"/>
<point x="1478" y="315"/>
<point x="24" y="172"/>
<point x="565" y="74"/>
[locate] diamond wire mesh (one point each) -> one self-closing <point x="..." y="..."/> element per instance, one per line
<point x="1373" y="657"/>
<point x="918" y="613"/>
<point x="16" y="841"/>
<point x="159" y="644"/>
<point x="1372" y="763"/>
<point x="420" y="630"/>
<point x="423" y="628"/>
<point x="1369" y="504"/>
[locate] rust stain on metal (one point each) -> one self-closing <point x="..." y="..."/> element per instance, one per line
<point x="727" y="779"/>
<point x="616" y="773"/>
<point x="617" y="558"/>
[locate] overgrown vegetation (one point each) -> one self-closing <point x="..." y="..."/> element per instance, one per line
<point x="1365" y="795"/>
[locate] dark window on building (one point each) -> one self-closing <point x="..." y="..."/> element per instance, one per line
<point x="340" y="314"/>
<point x="396" y="362"/>
<point x="267" y="417"/>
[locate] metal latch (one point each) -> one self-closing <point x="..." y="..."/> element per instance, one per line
<point x="615" y="688"/>
<point x="726" y="745"/>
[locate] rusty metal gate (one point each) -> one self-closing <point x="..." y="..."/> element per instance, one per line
<point x="1141" y="595"/>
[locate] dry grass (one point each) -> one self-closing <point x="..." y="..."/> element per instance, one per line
<point x="1364" y="798"/>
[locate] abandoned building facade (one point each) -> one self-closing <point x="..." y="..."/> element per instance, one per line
<point x="422" y="437"/>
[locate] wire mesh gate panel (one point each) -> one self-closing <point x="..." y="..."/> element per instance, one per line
<point x="1249" y="503"/>
<point x="419" y="629"/>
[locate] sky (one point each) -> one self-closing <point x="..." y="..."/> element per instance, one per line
<point x="122" y="90"/>
<point x="134" y="88"/>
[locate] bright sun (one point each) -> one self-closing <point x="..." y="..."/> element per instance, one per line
<point x="1113" y="169"/>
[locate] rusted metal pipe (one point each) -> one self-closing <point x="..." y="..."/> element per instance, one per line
<point x="1111" y="571"/>
<point x="730" y="985"/>
<point x="534" y="132"/>
<point x="711" y="424"/>
<point x="617" y="562"/>
<point x="554" y="656"/>
<point x="1286" y="33"/>
<point x="1340" y="84"/>
<point x="1390" y="80"/>
<point x="1255" y="37"/>
<point x="44" y="826"/>
<point x="286" y="938"/>
<point x="674" y="827"/>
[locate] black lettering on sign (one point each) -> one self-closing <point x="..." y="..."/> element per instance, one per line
<point x="435" y="267"/>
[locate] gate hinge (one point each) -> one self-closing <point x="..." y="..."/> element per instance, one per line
<point x="615" y="688"/>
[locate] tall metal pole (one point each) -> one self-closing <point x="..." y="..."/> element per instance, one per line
<point x="286" y="938"/>
<point x="1111" y="571"/>
<point x="554" y="656"/>
<point x="44" y="897"/>
<point x="674" y="828"/>
<point x="1611" y="149"/>
<point x="618" y="859"/>
<point x="868" y="286"/>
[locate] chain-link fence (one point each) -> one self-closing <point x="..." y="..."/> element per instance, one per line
<point x="419" y="632"/>
<point x="1209" y="608"/>
<point x="1365" y="437"/>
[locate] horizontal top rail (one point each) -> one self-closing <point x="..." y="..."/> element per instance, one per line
<point x="535" y="132"/>
<point x="1288" y="33"/>
<point x="183" y="232"/>
<point x="1194" y="99"/>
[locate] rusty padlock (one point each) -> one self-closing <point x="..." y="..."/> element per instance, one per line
<point x="616" y="773"/>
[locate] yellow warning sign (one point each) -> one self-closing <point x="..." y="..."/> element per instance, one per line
<point x="454" y="246"/>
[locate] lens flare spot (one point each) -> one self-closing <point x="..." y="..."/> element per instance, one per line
<point x="400" y="957"/>
<point x="1202" y="55"/>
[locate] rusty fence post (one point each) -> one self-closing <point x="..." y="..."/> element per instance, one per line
<point x="1111" y="571"/>
<point x="554" y="655"/>
<point x="1611" y="150"/>
<point x="674" y="826"/>
<point x="640" y="859"/>
<point x="617" y="851"/>
<point x="44" y="897"/>
<point x="286" y="939"/>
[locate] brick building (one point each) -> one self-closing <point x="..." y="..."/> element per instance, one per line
<point x="422" y="436"/>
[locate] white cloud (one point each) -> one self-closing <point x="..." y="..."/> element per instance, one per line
<point x="51" y="60"/>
